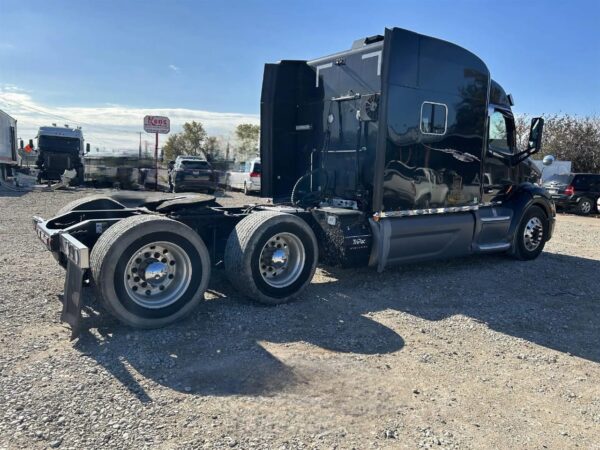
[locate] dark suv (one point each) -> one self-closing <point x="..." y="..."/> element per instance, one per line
<point x="578" y="192"/>
<point x="191" y="173"/>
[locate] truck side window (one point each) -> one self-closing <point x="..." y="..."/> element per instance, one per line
<point x="434" y="118"/>
<point x="500" y="132"/>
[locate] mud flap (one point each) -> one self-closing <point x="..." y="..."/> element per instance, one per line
<point x="72" y="298"/>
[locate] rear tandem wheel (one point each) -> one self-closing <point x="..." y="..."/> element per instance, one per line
<point x="271" y="256"/>
<point x="149" y="270"/>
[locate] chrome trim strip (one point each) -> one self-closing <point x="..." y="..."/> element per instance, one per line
<point x="493" y="247"/>
<point x="424" y="212"/>
<point x="495" y="219"/>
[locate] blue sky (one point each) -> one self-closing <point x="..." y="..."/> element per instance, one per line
<point x="209" y="56"/>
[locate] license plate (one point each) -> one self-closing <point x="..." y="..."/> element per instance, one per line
<point x="552" y="191"/>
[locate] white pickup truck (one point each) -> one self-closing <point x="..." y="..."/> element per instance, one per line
<point x="246" y="177"/>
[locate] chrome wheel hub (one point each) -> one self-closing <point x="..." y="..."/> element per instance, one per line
<point x="281" y="260"/>
<point x="157" y="274"/>
<point x="533" y="234"/>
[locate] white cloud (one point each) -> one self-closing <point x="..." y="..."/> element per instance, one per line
<point x="109" y="126"/>
<point x="173" y="67"/>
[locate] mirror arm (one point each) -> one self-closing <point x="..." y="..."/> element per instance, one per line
<point x="522" y="156"/>
<point x="504" y="157"/>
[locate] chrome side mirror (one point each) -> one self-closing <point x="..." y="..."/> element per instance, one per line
<point x="548" y="160"/>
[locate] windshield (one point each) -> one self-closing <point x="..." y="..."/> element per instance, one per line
<point x="58" y="143"/>
<point x="562" y="179"/>
<point x="256" y="168"/>
<point x="194" y="165"/>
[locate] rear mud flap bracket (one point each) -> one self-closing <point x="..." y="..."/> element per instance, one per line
<point x="72" y="298"/>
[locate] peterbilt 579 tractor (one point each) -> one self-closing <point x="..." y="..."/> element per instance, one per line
<point x="399" y="150"/>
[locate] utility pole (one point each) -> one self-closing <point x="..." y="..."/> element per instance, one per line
<point x="140" y="151"/>
<point x="156" y="163"/>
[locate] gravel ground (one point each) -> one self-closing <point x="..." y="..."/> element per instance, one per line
<point x="473" y="353"/>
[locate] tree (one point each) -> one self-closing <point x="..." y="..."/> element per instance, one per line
<point x="247" y="135"/>
<point x="190" y="141"/>
<point x="194" y="136"/>
<point x="568" y="138"/>
<point x="173" y="147"/>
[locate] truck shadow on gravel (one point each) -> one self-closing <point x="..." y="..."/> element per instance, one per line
<point x="552" y="301"/>
<point x="220" y="351"/>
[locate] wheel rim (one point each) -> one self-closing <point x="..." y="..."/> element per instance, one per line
<point x="586" y="207"/>
<point x="281" y="260"/>
<point x="533" y="234"/>
<point x="157" y="274"/>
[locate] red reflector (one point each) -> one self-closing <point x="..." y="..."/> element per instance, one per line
<point x="254" y="175"/>
<point x="570" y="190"/>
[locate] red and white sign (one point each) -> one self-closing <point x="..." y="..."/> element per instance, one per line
<point x="157" y="124"/>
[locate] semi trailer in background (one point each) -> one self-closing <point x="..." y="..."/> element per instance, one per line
<point x="8" y="145"/>
<point x="401" y="149"/>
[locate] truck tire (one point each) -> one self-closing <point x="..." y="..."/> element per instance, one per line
<point x="91" y="202"/>
<point x="585" y="206"/>
<point x="150" y="271"/>
<point x="271" y="256"/>
<point x="532" y="234"/>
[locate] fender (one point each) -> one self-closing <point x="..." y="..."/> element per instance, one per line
<point x="523" y="197"/>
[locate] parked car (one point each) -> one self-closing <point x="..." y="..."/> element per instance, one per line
<point x="191" y="173"/>
<point x="246" y="177"/>
<point x="577" y="192"/>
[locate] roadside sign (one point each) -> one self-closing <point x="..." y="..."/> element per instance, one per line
<point x="157" y="124"/>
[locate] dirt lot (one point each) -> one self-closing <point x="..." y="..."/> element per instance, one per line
<point x="475" y="353"/>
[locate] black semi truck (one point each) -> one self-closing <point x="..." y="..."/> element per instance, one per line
<point x="60" y="149"/>
<point x="401" y="149"/>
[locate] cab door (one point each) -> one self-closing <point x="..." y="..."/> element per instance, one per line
<point x="497" y="175"/>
